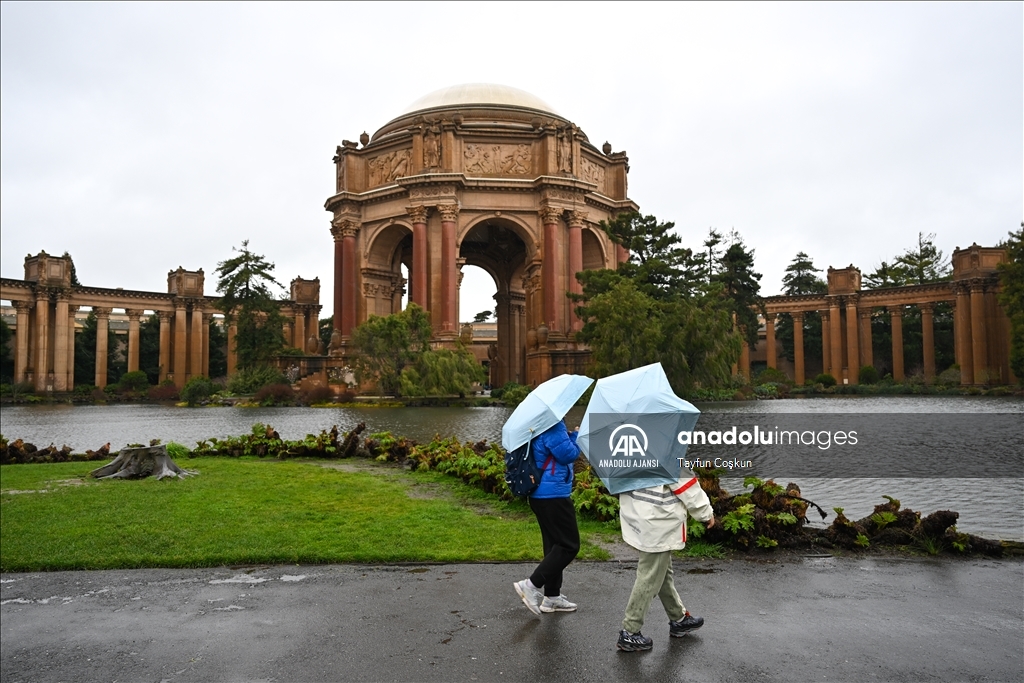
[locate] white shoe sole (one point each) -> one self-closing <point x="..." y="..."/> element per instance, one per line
<point x="549" y="610"/>
<point x="526" y="600"/>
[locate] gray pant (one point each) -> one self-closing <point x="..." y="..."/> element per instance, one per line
<point x="653" y="577"/>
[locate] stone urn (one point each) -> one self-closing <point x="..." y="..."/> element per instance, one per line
<point x="531" y="339"/>
<point x="312" y="343"/>
<point x="335" y="339"/>
<point x="466" y="334"/>
<point x="542" y="335"/>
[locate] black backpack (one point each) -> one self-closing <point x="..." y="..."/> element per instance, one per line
<point x="521" y="472"/>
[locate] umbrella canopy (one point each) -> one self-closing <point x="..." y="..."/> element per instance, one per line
<point x="629" y="430"/>
<point x="542" y="409"/>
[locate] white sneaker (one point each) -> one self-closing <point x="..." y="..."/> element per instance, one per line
<point x="559" y="604"/>
<point x="531" y="596"/>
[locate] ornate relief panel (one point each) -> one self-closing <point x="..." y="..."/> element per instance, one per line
<point x="386" y="167"/>
<point x="592" y="172"/>
<point x="492" y="159"/>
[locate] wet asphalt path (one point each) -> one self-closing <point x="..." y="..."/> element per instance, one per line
<point x="791" y="619"/>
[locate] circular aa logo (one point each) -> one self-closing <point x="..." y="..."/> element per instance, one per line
<point x="625" y="441"/>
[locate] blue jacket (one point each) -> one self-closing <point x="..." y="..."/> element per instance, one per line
<point x="558" y="448"/>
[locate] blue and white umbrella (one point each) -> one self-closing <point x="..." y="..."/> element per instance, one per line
<point x="542" y="409"/>
<point x="636" y="395"/>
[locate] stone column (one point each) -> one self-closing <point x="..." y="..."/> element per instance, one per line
<point x="196" y="340"/>
<point x="501" y="363"/>
<point x="836" y="336"/>
<point x="72" y="311"/>
<point x="852" y="345"/>
<point x="102" y="346"/>
<point x="206" y="344"/>
<point x="41" y="357"/>
<point x="621" y="254"/>
<point x="22" y="308"/>
<point x="180" y="344"/>
<point x="962" y="332"/>
<point x="233" y="349"/>
<point x="420" y="256"/>
<point x="449" y="273"/>
<point x="744" y="365"/>
<point x="769" y="329"/>
<point x="896" y="316"/>
<point x="133" y="338"/>
<point x="165" y="343"/>
<point x="826" y="342"/>
<point x="549" y="218"/>
<point x="337" y="230"/>
<point x="979" y="341"/>
<point x="350" y="294"/>
<point x="299" y="328"/>
<point x="867" y="355"/>
<point x="60" y="344"/>
<point x="928" y="340"/>
<point x="798" y="348"/>
<point x="576" y="220"/>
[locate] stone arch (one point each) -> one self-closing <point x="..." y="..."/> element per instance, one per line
<point x="526" y="232"/>
<point x="595" y="256"/>
<point x="388" y="248"/>
<point x="496" y="244"/>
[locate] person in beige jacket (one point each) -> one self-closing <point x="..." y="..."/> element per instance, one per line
<point x="653" y="521"/>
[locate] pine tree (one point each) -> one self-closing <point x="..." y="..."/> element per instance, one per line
<point x="741" y="287"/>
<point x="246" y="300"/>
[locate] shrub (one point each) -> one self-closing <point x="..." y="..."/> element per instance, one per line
<point x="197" y="389"/>
<point x="84" y="389"/>
<point x="275" y="394"/>
<point x="347" y="396"/>
<point x="868" y="375"/>
<point x="773" y="375"/>
<point x="515" y="395"/>
<point x="949" y="377"/>
<point x="317" y="394"/>
<point x="165" y="391"/>
<point x="134" y="381"/>
<point x="249" y="380"/>
<point x="825" y="380"/>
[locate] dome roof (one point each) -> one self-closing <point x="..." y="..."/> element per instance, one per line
<point x="484" y="94"/>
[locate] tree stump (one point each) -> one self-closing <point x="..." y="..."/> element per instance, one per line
<point x="139" y="463"/>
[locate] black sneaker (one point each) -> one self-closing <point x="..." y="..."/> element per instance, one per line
<point x="678" y="629"/>
<point x="632" y="642"/>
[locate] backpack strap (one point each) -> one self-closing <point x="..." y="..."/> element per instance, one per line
<point x="550" y="459"/>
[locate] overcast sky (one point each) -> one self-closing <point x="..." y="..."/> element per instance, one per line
<point x="141" y="137"/>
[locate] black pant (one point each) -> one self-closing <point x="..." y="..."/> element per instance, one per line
<point x="561" y="536"/>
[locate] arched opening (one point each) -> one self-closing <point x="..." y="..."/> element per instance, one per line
<point x="498" y="252"/>
<point x="388" y="271"/>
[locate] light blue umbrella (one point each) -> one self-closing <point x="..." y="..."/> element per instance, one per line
<point x="542" y="409"/>
<point x="636" y="393"/>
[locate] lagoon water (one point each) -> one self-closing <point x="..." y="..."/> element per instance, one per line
<point x="993" y="507"/>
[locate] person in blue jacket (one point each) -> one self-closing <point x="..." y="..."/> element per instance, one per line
<point x="555" y="452"/>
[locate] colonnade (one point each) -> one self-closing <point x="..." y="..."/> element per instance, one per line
<point x="980" y="327"/>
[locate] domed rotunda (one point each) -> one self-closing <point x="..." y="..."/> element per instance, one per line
<point x="484" y="175"/>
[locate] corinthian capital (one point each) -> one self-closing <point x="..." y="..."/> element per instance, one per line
<point x="417" y="214"/>
<point x="577" y="218"/>
<point x="549" y="214"/>
<point x="344" y="227"/>
<point x="449" y="212"/>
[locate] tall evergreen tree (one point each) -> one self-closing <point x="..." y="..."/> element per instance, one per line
<point x="741" y="287"/>
<point x="246" y="300"/>
<point x="1011" y="277"/>
<point x="801" y="279"/>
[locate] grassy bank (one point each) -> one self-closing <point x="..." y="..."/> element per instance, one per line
<point x="252" y="511"/>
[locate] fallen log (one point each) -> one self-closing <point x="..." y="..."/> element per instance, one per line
<point x="138" y="463"/>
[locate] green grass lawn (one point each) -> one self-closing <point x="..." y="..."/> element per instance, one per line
<point x="249" y="511"/>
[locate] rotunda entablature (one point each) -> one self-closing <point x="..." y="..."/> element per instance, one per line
<point x="477" y="131"/>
